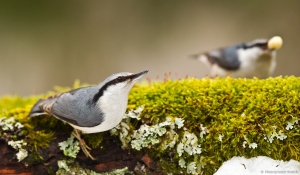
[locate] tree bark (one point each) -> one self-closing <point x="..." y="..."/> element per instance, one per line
<point x="109" y="157"/>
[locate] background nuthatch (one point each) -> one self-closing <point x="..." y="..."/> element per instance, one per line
<point x="91" y="109"/>
<point x="245" y="60"/>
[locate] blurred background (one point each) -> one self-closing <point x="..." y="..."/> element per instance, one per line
<point x="48" y="43"/>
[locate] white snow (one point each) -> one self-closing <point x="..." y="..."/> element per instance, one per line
<point x="258" y="166"/>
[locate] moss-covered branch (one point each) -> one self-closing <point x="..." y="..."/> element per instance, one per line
<point x="189" y="125"/>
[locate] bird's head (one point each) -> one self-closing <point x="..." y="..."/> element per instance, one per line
<point x="274" y="43"/>
<point x="117" y="85"/>
<point x="259" y="47"/>
<point x="122" y="81"/>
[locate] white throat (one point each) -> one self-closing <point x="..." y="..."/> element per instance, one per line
<point x="113" y="104"/>
<point x="256" y="63"/>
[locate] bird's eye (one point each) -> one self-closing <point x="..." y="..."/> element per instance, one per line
<point x="261" y="44"/>
<point x="119" y="79"/>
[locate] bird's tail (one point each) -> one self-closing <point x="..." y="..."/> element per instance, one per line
<point x="37" y="110"/>
<point x="201" y="57"/>
<point x="194" y="56"/>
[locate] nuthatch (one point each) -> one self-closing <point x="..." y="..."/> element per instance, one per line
<point x="91" y="109"/>
<point x="245" y="60"/>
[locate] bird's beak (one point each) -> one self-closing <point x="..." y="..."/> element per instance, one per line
<point x="275" y="43"/>
<point x="138" y="75"/>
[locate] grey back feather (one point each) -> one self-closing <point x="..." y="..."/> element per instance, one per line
<point x="75" y="108"/>
<point x="226" y="58"/>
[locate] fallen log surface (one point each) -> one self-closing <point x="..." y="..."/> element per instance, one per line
<point x="111" y="157"/>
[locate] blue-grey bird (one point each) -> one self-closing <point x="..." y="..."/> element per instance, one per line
<point x="91" y="109"/>
<point x="244" y="60"/>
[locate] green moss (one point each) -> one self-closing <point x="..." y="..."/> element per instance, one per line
<point x="233" y="108"/>
<point x="93" y="140"/>
<point x="229" y="117"/>
<point x="50" y="170"/>
<point x="39" y="139"/>
<point x="70" y="166"/>
<point x="37" y="131"/>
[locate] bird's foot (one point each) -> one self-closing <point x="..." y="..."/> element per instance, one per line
<point x="85" y="148"/>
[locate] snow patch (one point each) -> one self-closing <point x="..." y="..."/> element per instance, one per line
<point x="258" y="166"/>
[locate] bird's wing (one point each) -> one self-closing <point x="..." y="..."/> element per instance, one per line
<point x="74" y="107"/>
<point x="62" y="108"/>
<point x="45" y="106"/>
<point x="227" y="58"/>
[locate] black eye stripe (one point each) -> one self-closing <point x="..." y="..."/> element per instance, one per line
<point x="261" y="44"/>
<point x="245" y="46"/>
<point x="120" y="79"/>
<point x="111" y="82"/>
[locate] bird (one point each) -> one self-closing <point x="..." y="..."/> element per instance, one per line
<point x="244" y="60"/>
<point x="91" y="109"/>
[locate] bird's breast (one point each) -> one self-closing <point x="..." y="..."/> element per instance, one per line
<point x="113" y="109"/>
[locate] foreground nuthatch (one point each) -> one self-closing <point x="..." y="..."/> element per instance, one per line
<point x="91" y="109"/>
<point x="245" y="60"/>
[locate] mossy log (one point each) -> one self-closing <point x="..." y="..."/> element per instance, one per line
<point x="110" y="157"/>
<point x="187" y="126"/>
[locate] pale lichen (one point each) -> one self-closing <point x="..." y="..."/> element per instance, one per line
<point x="135" y="113"/>
<point x="269" y="137"/>
<point x="9" y="126"/>
<point x="279" y="135"/>
<point x="179" y="122"/>
<point x="220" y="137"/>
<point x="147" y="136"/>
<point x="72" y="167"/>
<point x="62" y="164"/>
<point x="291" y="124"/>
<point x="245" y="141"/>
<point x="123" y="128"/>
<point x="174" y="139"/>
<point x="22" y="154"/>
<point x="70" y="147"/>
<point x="180" y="149"/>
<point x="204" y="130"/>
<point x="182" y="163"/>
<point x="189" y="144"/>
<point x="121" y="171"/>
<point x="191" y="168"/>
<point x="19" y="146"/>
<point x="253" y="145"/>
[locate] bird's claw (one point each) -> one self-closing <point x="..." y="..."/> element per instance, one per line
<point x="85" y="148"/>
